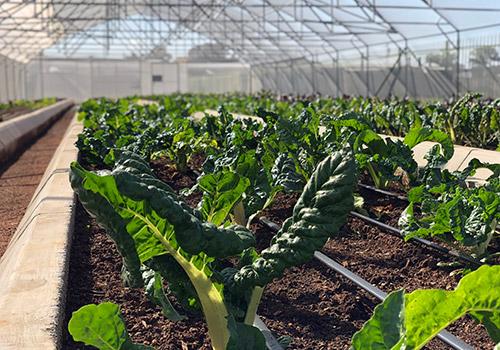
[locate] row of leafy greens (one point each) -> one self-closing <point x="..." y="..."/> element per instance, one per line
<point x="162" y="240"/>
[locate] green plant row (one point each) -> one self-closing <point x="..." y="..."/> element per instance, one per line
<point x="280" y="155"/>
<point x="470" y="120"/>
<point x="30" y="104"/>
<point x="247" y="163"/>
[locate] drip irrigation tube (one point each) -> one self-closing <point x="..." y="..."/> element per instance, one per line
<point x="396" y="232"/>
<point x="271" y="342"/>
<point x="445" y="336"/>
<point x="388" y="193"/>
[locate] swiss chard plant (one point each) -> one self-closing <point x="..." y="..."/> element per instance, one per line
<point x="152" y="227"/>
<point x="387" y="160"/>
<point x="445" y="207"/>
<point x="411" y="320"/>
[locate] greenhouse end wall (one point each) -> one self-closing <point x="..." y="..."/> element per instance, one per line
<point x="12" y="79"/>
<point x="81" y="79"/>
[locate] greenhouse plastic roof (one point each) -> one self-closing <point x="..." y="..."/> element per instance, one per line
<point x="258" y="31"/>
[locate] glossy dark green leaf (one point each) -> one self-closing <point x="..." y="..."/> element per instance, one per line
<point x="319" y="213"/>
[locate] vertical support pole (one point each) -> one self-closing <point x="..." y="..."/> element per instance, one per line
<point x="26" y="81"/>
<point x="406" y="68"/>
<point x="42" y="87"/>
<point x="140" y="77"/>
<point x="367" y="67"/>
<point x="339" y="79"/>
<point x="14" y="79"/>
<point x="6" y="72"/>
<point x="458" y="64"/>
<point x="91" y="67"/>
<point x="178" y="77"/>
<point x="250" y="81"/>
<point x="362" y="68"/>
<point x="115" y="78"/>
<point x="313" y="76"/>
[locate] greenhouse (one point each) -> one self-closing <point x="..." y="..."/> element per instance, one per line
<point x="249" y="174"/>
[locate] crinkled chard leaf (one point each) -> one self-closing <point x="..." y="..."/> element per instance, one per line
<point x="221" y="191"/>
<point x="151" y="222"/>
<point x="467" y="215"/>
<point x="319" y="213"/>
<point x="284" y="173"/>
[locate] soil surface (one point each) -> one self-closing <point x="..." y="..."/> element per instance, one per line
<point x="94" y="277"/>
<point x="312" y="304"/>
<point x="18" y="181"/>
<point x="388" y="262"/>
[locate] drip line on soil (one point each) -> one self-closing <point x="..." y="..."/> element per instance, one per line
<point x="388" y="193"/>
<point x="445" y="336"/>
<point x="271" y="342"/>
<point x="396" y="232"/>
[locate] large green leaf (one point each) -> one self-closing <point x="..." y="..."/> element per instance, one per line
<point x="412" y="322"/>
<point x="101" y="326"/>
<point x="319" y="213"/>
<point x="151" y="217"/>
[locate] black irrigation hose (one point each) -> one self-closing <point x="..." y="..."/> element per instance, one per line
<point x="396" y="232"/>
<point x="387" y="193"/>
<point x="445" y="336"/>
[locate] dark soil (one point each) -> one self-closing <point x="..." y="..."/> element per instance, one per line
<point x="390" y="264"/>
<point x="94" y="277"/>
<point x="313" y="305"/>
<point x="387" y="261"/>
<point x="384" y="208"/>
<point x="20" y="178"/>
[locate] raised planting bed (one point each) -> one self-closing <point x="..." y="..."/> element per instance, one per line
<point x="168" y="245"/>
<point x="313" y="305"/>
<point x="17" y="133"/>
<point x="34" y="266"/>
<point x="17" y="108"/>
